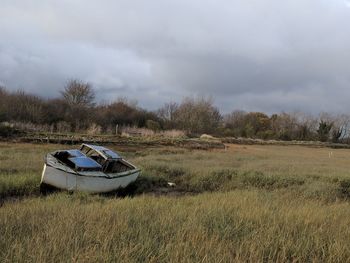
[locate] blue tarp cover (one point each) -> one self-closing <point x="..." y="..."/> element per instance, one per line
<point x="84" y="162"/>
<point x="75" y="153"/>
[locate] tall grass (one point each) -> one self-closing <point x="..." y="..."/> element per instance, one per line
<point x="250" y="203"/>
<point x="20" y="168"/>
<point x="243" y="225"/>
<point x="19" y="184"/>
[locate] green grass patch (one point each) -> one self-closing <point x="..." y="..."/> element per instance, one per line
<point x="19" y="184"/>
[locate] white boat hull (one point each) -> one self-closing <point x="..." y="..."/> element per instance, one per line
<point x="93" y="184"/>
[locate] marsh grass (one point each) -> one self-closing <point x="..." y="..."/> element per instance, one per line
<point x="19" y="184"/>
<point x="245" y="203"/>
<point x="307" y="171"/>
<point x="20" y="168"/>
<point x="244" y="225"/>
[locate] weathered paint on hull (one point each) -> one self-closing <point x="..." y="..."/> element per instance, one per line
<point x="92" y="184"/>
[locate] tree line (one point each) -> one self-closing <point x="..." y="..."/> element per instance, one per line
<point x="76" y="110"/>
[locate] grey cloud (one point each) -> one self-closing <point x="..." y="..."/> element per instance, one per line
<point x="256" y="55"/>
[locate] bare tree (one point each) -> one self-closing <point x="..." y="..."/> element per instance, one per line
<point x="198" y="115"/>
<point x="307" y="126"/>
<point x="324" y="129"/>
<point x="78" y="93"/>
<point x="167" y="112"/>
<point x="25" y="107"/>
<point x="3" y="103"/>
<point x="234" y="123"/>
<point x="79" y="97"/>
<point x="340" y="128"/>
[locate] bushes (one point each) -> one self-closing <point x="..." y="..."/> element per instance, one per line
<point x="195" y="116"/>
<point x="153" y="125"/>
<point x="261" y="180"/>
<point x="7" y="131"/>
<point x="214" y="181"/>
<point x="324" y="130"/>
<point x="75" y="110"/>
<point x="344" y="188"/>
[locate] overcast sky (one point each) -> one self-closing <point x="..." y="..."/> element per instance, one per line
<point x="269" y="55"/>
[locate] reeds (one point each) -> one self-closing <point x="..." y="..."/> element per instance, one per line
<point x="247" y="203"/>
<point x="243" y="225"/>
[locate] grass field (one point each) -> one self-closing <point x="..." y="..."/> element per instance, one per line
<point x="245" y="203"/>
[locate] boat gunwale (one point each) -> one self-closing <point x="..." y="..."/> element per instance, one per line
<point x="104" y="155"/>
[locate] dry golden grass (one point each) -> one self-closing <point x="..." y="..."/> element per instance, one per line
<point x="219" y="227"/>
<point x="253" y="203"/>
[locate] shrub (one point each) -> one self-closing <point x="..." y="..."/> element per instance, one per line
<point x="7" y="131"/>
<point x="153" y="125"/>
<point x="261" y="180"/>
<point x="344" y="188"/>
<point x="94" y="129"/>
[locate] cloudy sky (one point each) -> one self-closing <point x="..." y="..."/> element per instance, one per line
<point x="269" y="55"/>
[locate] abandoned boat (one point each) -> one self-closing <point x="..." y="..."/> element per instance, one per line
<point x="93" y="168"/>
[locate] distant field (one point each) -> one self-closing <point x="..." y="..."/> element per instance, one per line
<point x="249" y="203"/>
